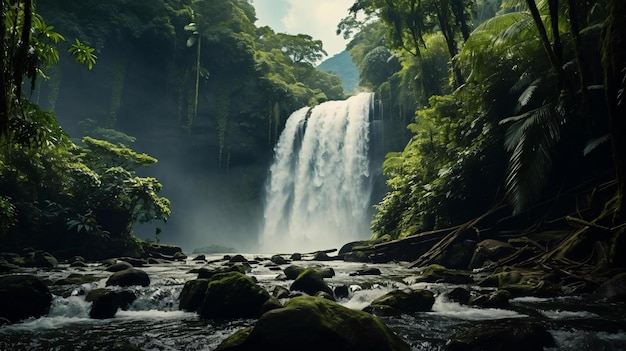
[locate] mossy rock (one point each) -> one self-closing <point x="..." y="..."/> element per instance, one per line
<point x="522" y="283"/>
<point x="192" y="295"/>
<point x="23" y="296"/>
<point x="233" y="295"/>
<point x="404" y="301"/>
<point x="310" y="281"/>
<point x="436" y="273"/>
<point x="510" y="335"/>
<point x="312" y="324"/>
<point x="40" y="259"/>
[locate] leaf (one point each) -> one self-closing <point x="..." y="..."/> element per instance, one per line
<point x="594" y="143"/>
<point x="191" y="40"/>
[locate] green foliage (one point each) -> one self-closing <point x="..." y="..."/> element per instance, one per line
<point x="83" y="53"/>
<point x="109" y="155"/>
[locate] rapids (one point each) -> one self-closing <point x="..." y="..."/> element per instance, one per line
<point x="154" y="322"/>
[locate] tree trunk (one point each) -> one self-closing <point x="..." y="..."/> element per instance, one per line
<point x="547" y="45"/>
<point x="614" y="62"/>
<point x="21" y="55"/>
<point x="4" y="107"/>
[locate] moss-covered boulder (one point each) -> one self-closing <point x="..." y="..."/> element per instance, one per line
<point x="23" y="296"/>
<point x="510" y="335"/>
<point x="439" y="274"/>
<point x="405" y="301"/>
<point x="233" y="295"/>
<point x="522" y="283"/>
<point x="311" y="324"/>
<point x="40" y="259"/>
<point x="192" y="295"/>
<point x="129" y="277"/>
<point x="310" y="281"/>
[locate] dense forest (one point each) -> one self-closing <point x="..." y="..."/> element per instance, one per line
<point x="517" y="115"/>
<point x="194" y="83"/>
<point x="511" y="107"/>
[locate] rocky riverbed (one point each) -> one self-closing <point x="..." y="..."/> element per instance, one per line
<point x="238" y="302"/>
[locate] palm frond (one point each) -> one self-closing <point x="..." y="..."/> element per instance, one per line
<point x="594" y="143"/>
<point x="527" y="94"/>
<point x="532" y="137"/>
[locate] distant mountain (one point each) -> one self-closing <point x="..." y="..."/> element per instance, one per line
<point x="342" y="65"/>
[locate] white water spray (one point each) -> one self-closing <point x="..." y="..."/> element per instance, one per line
<point x="318" y="193"/>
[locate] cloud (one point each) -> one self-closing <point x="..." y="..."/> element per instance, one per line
<point x="317" y="18"/>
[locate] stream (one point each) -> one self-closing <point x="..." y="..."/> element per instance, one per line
<point x="153" y="321"/>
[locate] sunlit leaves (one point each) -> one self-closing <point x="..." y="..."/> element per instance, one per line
<point x="83" y="53"/>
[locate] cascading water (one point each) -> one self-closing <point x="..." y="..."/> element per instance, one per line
<point x="318" y="193"/>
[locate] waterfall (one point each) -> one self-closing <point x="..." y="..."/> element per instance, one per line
<point x="319" y="188"/>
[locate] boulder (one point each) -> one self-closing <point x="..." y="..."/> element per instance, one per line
<point x="510" y="335"/>
<point x="23" y="296"/>
<point x="129" y="277"/>
<point x="293" y="271"/>
<point x="459" y="295"/>
<point x="321" y="256"/>
<point x="492" y="250"/>
<point x="79" y="264"/>
<point x="105" y="302"/>
<point x="459" y="254"/>
<point x="118" y="266"/>
<point x="310" y="282"/>
<point x="206" y="273"/>
<point x="296" y="257"/>
<point x="199" y="258"/>
<point x="341" y="292"/>
<point x="40" y="259"/>
<point x="367" y="271"/>
<point x="232" y="295"/>
<point x="311" y="324"/>
<point x="496" y="299"/>
<point x="278" y="259"/>
<point x="522" y="283"/>
<point x="237" y="258"/>
<point x="7" y="267"/>
<point x="402" y="302"/>
<point x="613" y="289"/>
<point x="192" y="295"/>
<point x="327" y="272"/>
<point x="280" y="292"/>
<point x="77" y="279"/>
<point x="439" y="274"/>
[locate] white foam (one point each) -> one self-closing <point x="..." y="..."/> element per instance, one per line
<point x="446" y="308"/>
<point x="560" y="314"/>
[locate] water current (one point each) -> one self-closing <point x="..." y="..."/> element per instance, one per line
<point x="153" y="321"/>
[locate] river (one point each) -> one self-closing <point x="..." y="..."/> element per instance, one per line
<point x="153" y="321"/>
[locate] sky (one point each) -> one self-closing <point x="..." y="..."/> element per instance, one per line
<point x="317" y="18"/>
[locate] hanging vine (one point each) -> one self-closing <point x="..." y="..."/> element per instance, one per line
<point x="54" y="82"/>
<point x="117" y="87"/>
<point x="222" y="110"/>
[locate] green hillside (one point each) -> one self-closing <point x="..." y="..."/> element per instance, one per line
<point x="343" y="66"/>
